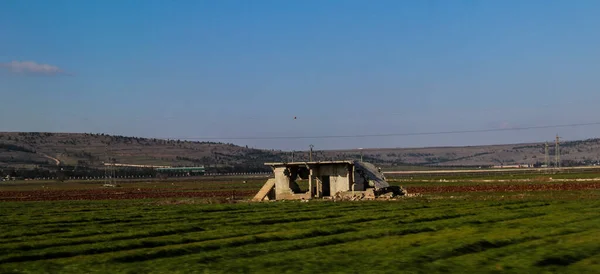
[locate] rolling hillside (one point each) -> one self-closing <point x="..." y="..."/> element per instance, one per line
<point x="572" y="153"/>
<point x="28" y="150"/>
<point x="47" y="150"/>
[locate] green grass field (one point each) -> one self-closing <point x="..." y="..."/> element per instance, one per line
<point x="477" y="232"/>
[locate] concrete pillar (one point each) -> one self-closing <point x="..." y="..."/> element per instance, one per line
<point x="282" y="182"/>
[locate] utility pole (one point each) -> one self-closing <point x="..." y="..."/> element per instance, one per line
<point x="547" y="156"/>
<point x="113" y="170"/>
<point x="107" y="172"/>
<point x="109" y="169"/>
<point x="557" y="152"/>
<point x="310" y="158"/>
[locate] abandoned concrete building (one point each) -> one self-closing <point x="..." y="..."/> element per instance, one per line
<point x="325" y="179"/>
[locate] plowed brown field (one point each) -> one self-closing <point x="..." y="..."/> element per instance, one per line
<point x="505" y="187"/>
<point x="114" y="194"/>
<point x="148" y="193"/>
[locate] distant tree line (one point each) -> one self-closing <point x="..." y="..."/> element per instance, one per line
<point x="12" y="147"/>
<point x="66" y="172"/>
<point x="566" y="163"/>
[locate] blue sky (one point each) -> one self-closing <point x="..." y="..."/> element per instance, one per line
<point x="247" y="68"/>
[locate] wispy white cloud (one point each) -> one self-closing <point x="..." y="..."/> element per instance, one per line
<point x="30" y="67"/>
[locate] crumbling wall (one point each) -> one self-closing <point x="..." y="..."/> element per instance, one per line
<point x="339" y="179"/>
<point x="326" y="179"/>
<point x="359" y="182"/>
<point x="282" y="182"/>
<point x="371" y="174"/>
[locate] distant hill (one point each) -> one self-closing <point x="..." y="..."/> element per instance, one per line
<point x="30" y="150"/>
<point x="47" y="150"/>
<point x="571" y="153"/>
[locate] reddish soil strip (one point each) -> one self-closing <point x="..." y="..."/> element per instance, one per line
<point x="504" y="188"/>
<point x="129" y="193"/>
<point x="115" y="194"/>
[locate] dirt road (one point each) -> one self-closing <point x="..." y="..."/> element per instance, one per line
<point x="56" y="161"/>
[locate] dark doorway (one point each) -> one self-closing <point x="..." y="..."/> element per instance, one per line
<point x="326" y="186"/>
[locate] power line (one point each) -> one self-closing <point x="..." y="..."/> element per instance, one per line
<point x="352" y="136"/>
<point x="389" y="134"/>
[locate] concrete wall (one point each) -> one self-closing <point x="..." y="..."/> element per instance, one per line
<point x="289" y="196"/>
<point x="338" y="184"/>
<point x="339" y="179"/>
<point x="360" y="182"/>
<point x="282" y="183"/>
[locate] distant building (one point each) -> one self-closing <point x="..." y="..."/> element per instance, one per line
<point x="178" y="171"/>
<point x="325" y="179"/>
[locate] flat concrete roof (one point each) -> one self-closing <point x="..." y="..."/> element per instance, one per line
<point x="310" y="163"/>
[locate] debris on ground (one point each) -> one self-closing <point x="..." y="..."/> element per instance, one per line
<point x="388" y="193"/>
